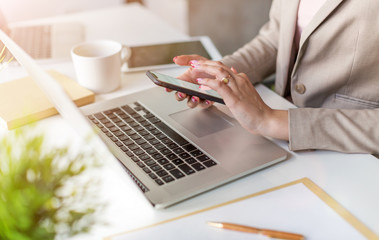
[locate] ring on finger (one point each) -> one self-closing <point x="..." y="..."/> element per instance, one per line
<point x="226" y="79"/>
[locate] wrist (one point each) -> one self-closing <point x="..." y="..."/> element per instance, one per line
<point x="276" y="124"/>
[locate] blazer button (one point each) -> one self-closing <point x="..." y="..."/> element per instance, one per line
<point x="300" y="88"/>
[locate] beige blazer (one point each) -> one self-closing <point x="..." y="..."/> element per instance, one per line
<point x="335" y="78"/>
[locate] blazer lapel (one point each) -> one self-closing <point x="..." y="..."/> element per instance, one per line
<point x="288" y="27"/>
<point x="320" y="16"/>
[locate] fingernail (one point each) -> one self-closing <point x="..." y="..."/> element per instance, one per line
<point x="199" y="80"/>
<point x="207" y="102"/>
<point x="195" y="65"/>
<point x="167" y="90"/>
<point x="180" y="95"/>
<point x="233" y="69"/>
<point x="193" y="62"/>
<point x="174" y="59"/>
<point x="194" y="99"/>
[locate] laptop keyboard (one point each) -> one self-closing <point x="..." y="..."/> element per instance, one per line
<point x="163" y="154"/>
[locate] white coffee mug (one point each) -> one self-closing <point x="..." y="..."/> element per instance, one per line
<point x="98" y="64"/>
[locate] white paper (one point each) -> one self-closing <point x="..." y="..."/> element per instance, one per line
<point x="291" y="209"/>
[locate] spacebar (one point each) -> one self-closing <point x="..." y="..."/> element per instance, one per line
<point x="171" y="133"/>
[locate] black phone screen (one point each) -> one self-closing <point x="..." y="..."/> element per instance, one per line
<point x="184" y="86"/>
<point x="160" y="54"/>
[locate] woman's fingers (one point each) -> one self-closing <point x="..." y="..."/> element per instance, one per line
<point x="216" y="69"/>
<point x="184" y="60"/>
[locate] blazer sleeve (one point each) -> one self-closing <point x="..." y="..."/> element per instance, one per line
<point x="344" y="130"/>
<point x="257" y="58"/>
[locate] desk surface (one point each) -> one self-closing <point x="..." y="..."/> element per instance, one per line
<point x="351" y="179"/>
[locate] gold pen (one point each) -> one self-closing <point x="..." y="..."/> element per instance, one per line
<point x="266" y="232"/>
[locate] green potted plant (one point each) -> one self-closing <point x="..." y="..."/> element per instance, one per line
<point x="45" y="192"/>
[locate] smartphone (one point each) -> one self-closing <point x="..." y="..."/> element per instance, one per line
<point x="184" y="86"/>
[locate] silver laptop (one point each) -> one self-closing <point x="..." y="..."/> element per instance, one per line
<point x="171" y="152"/>
<point x="45" y="41"/>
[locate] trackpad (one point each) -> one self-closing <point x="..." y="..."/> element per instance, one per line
<point x="202" y="122"/>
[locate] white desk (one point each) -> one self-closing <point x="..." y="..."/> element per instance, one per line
<point x="351" y="179"/>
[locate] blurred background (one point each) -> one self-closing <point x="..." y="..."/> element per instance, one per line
<point x="229" y="23"/>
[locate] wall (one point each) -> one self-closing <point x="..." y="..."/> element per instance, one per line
<point x="19" y="10"/>
<point x="229" y="23"/>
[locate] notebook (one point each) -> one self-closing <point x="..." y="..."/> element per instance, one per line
<point x="171" y="152"/>
<point x="45" y="41"/>
<point x="21" y="101"/>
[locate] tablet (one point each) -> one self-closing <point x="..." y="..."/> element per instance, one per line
<point x="160" y="55"/>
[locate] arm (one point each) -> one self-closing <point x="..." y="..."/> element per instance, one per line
<point x="344" y="130"/>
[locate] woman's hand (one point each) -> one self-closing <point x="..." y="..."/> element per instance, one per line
<point x="191" y="75"/>
<point x="242" y="99"/>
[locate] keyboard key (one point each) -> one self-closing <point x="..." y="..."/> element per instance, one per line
<point x="128" y="109"/>
<point x="184" y="155"/>
<point x="140" y="164"/>
<point x="154" y="141"/>
<point x="171" y="156"/>
<point x="171" y="133"/>
<point x="104" y="121"/>
<point x="196" y="153"/>
<point x="161" y="173"/>
<point x="177" y="174"/>
<point x="157" y="156"/>
<point x="177" y="161"/>
<point x="150" y="128"/>
<point x="209" y="163"/>
<point x="198" y="166"/>
<point x="135" y="137"/>
<point x="142" y="141"/>
<point x="163" y="161"/>
<point x="155" y="132"/>
<point x="113" y="129"/>
<point x="149" y="115"/>
<point x="155" y="168"/>
<point x="186" y="169"/>
<point x="159" y="146"/>
<point x="190" y="160"/>
<point x="172" y="145"/>
<point x="146" y="169"/>
<point x="128" y="142"/>
<point x="144" y="157"/>
<point x="168" y="179"/>
<point x="169" y="166"/>
<point x="133" y="147"/>
<point x="154" y="120"/>
<point x="139" y="128"/>
<point x="138" y="152"/>
<point x="203" y="158"/>
<point x="99" y="116"/>
<point x="159" y="182"/>
<point x="178" y="150"/>
<point x="189" y="147"/>
<point x="153" y="176"/>
<point x="165" y="151"/>
<point x="151" y="151"/>
<point x="150" y="162"/>
<point x="109" y="125"/>
<point x="135" y="159"/>
<point x="149" y="137"/>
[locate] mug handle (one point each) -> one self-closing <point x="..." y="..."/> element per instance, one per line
<point x="125" y="54"/>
